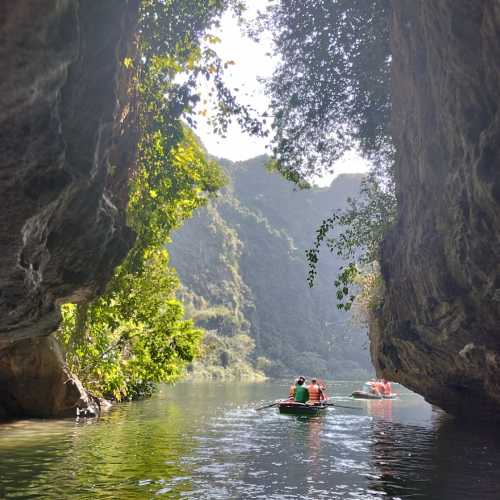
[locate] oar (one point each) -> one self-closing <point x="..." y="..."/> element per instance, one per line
<point x="343" y="406"/>
<point x="267" y="406"/>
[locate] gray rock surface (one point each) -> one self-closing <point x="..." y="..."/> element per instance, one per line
<point x="439" y="329"/>
<point x="35" y="383"/>
<point x="67" y="141"/>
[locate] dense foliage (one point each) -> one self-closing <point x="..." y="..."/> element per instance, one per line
<point x="330" y="91"/>
<point x="208" y="254"/>
<point x="135" y="335"/>
<point x="330" y="94"/>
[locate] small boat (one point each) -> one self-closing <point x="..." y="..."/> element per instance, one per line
<point x="371" y="395"/>
<point x="294" y="408"/>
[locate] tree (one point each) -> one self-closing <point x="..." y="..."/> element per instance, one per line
<point x="329" y="94"/>
<point x="357" y="234"/>
<point x="331" y="89"/>
<point x="134" y="335"/>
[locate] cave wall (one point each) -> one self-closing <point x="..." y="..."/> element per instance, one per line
<point x="438" y="331"/>
<point x="67" y="141"/>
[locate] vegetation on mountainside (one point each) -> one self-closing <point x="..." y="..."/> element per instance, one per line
<point x="227" y="359"/>
<point x="216" y="298"/>
<point x="335" y="71"/>
<point x="241" y="262"/>
<point x="364" y="223"/>
<point x="134" y="335"/>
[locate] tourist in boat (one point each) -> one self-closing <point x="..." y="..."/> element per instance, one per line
<point x="316" y="394"/>
<point x="291" y="390"/>
<point x="376" y="387"/>
<point x="301" y="392"/>
<point x="386" y="388"/>
<point x="367" y="388"/>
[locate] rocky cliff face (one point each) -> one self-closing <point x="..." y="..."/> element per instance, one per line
<point x="440" y="325"/>
<point x="67" y="141"/>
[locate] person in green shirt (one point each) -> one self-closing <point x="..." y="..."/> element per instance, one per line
<point x="301" y="392"/>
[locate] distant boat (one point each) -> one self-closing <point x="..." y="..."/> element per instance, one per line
<point x="368" y="392"/>
<point x="295" y="408"/>
<point x="370" y="395"/>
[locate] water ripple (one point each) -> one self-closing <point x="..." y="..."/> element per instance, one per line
<point x="208" y="442"/>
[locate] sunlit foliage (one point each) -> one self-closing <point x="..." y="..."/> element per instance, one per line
<point x="227" y="359"/>
<point x="134" y="335"/>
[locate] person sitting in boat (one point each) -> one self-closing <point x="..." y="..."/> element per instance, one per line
<point x="386" y="387"/>
<point x="291" y="390"/>
<point x="378" y="387"/>
<point x="367" y="387"/>
<point x="316" y="394"/>
<point x="301" y="392"/>
<point x="373" y="387"/>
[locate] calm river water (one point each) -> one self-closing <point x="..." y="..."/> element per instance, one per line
<point x="206" y="441"/>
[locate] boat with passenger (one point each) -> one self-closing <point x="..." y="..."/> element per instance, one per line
<point x="290" y="407"/>
<point x="375" y="389"/>
<point x="304" y="399"/>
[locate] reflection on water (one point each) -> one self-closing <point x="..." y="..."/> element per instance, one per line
<point x="206" y="441"/>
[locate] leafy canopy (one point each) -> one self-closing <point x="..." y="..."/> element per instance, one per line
<point x="330" y="94"/>
<point x="330" y="91"/>
<point x="135" y="335"/>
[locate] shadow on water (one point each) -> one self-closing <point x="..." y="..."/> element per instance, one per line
<point x="206" y="441"/>
<point x="451" y="460"/>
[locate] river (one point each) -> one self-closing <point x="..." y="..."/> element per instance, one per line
<point x="206" y="441"/>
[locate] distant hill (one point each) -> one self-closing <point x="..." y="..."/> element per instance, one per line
<point x="242" y="263"/>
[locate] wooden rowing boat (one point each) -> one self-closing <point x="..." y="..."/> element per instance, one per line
<point x="369" y="395"/>
<point x="294" y="408"/>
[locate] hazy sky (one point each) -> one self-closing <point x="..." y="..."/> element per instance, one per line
<point x="251" y="62"/>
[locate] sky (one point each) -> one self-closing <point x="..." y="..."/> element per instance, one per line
<point x="252" y="61"/>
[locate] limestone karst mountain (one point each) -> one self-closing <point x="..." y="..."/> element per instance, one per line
<point x="242" y="261"/>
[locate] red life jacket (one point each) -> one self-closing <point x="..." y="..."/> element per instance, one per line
<point x="377" y="387"/>
<point x="291" y="392"/>
<point x="314" y="392"/>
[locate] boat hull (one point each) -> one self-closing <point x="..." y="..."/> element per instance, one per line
<point x="367" y="395"/>
<point x="294" y="408"/>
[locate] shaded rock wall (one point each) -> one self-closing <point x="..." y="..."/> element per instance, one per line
<point x="67" y="140"/>
<point x="35" y="383"/>
<point x="439" y="330"/>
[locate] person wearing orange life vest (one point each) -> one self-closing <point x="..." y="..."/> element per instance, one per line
<point x="316" y="394"/>
<point x="291" y="390"/>
<point x="386" y="387"/>
<point x="376" y="387"/>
